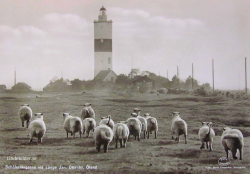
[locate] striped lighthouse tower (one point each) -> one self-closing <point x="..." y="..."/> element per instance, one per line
<point x="102" y="42"/>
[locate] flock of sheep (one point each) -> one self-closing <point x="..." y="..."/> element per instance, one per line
<point x="107" y="130"/>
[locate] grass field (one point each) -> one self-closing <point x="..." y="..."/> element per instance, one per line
<point x="161" y="155"/>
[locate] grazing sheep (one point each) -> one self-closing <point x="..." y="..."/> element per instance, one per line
<point x="72" y="124"/>
<point x="134" y="126"/>
<point x="25" y="114"/>
<point x="37" y="128"/>
<point x="206" y="135"/>
<point x="152" y="124"/>
<point x="88" y="125"/>
<point x="107" y="119"/>
<point x="232" y="139"/>
<point x="87" y="111"/>
<point x="142" y="120"/>
<point x="121" y="133"/>
<point x="103" y="135"/>
<point x="178" y="127"/>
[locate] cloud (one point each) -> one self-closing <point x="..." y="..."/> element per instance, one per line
<point x="60" y="43"/>
<point x="64" y="23"/>
<point x="127" y="13"/>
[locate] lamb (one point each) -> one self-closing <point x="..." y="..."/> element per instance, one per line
<point x="206" y="135"/>
<point x="103" y="135"/>
<point x="178" y="127"/>
<point x="107" y="119"/>
<point x="25" y="114"/>
<point x="121" y="133"/>
<point x="88" y="125"/>
<point x="142" y="120"/>
<point x="87" y="111"/>
<point x="37" y="128"/>
<point x="232" y="139"/>
<point x="72" y="124"/>
<point x="134" y="126"/>
<point x="152" y="124"/>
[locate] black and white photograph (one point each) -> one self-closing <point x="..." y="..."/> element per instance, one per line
<point x="125" y="86"/>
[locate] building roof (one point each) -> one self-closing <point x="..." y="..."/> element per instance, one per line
<point x="142" y="79"/>
<point x="102" y="75"/>
<point x="103" y="8"/>
<point x="23" y="84"/>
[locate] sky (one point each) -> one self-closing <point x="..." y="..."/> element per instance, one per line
<point x="44" y="39"/>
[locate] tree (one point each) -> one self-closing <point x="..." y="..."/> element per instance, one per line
<point x="206" y="86"/>
<point x="122" y="80"/>
<point x="76" y="84"/>
<point x="159" y="79"/>
<point x="175" y="82"/>
<point x="188" y="83"/>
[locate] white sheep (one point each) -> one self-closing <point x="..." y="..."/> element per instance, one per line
<point x="232" y="139"/>
<point x="88" y="125"/>
<point x="87" y="111"/>
<point x="25" y="114"/>
<point x="152" y="124"/>
<point x="142" y="120"/>
<point x="121" y="133"/>
<point x="107" y="119"/>
<point x="37" y="128"/>
<point x="178" y="127"/>
<point x="134" y="126"/>
<point x="206" y="135"/>
<point x="103" y="135"/>
<point x="72" y="124"/>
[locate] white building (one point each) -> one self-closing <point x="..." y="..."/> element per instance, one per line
<point x="102" y="43"/>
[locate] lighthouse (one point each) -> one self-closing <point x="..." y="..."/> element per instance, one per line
<point x="102" y="43"/>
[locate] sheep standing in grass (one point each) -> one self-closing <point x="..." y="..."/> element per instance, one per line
<point x="121" y="133"/>
<point x="134" y="126"/>
<point x="37" y="128"/>
<point x="87" y="111"/>
<point x="72" y="124"/>
<point x="107" y="119"/>
<point x="142" y="120"/>
<point x="232" y="139"/>
<point x="25" y="114"/>
<point x="152" y="125"/>
<point x="206" y="135"/>
<point x="88" y="125"/>
<point x="103" y="135"/>
<point x="178" y="127"/>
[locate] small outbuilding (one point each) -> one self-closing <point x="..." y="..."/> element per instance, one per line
<point x="3" y="87"/>
<point x="21" y="87"/>
<point x="105" y="76"/>
<point x="143" y="83"/>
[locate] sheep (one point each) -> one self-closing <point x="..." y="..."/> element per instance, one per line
<point x="103" y="135"/>
<point x="107" y="119"/>
<point x="25" y="114"/>
<point x="152" y="124"/>
<point x="37" y="128"/>
<point x="121" y="133"/>
<point x="178" y="127"/>
<point x="87" y="111"/>
<point x="134" y="126"/>
<point x="142" y="120"/>
<point x="206" y="135"/>
<point x="72" y="124"/>
<point x="232" y="139"/>
<point x="88" y="125"/>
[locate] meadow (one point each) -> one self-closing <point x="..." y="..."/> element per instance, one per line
<point x="57" y="154"/>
